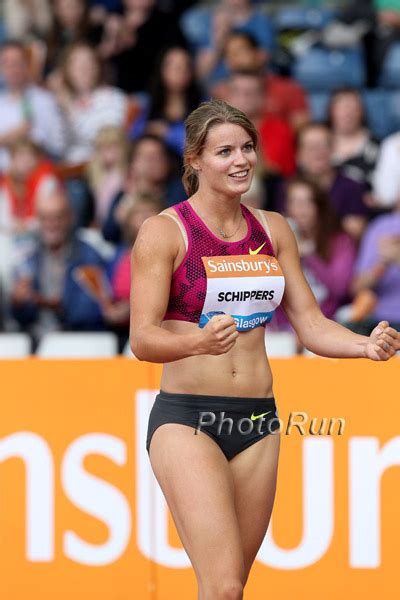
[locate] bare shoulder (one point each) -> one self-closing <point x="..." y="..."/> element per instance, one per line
<point x="156" y="235"/>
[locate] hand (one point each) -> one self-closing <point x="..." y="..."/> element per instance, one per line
<point x="219" y="335"/>
<point x="116" y="312"/>
<point x="384" y="342"/>
<point x="221" y="25"/>
<point x="23" y="291"/>
<point x="389" y="249"/>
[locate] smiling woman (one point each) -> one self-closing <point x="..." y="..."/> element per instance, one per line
<point x="207" y="325"/>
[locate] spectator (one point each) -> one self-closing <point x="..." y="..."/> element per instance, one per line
<point x="87" y="102"/>
<point x="31" y="176"/>
<point x="355" y="151"/>
<point x="386" y="177"/>
<point x="25" y="20"/>
<point x="327" y="253"/>
<point x="378" y="269"/>
<point x="71" y="25"/>
<point x="144" y="31"/>
<point x="47" y="294"/>
<point x="314" y="159"/>
<point x="150" y="172"/>
<point x="283" y="97"/>
<point x="246" y="91"/>
<point x="173" y="95"/>
<point x="107" y="169"/>
<point x="26" y="109"/>
<point x="231" y="15"/>
<point x="116" y="311"/>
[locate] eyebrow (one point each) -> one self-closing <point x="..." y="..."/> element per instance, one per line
<point x="230" y="145"/>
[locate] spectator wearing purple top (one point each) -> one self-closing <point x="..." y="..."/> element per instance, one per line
<point x="327" y="253"/>
<point x="314" y="159"/>
<point x="378" y="269"/>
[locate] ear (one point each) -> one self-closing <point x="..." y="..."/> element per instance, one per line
<point x="194" y="162"/>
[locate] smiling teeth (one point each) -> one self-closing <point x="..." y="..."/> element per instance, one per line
<point x="241" y="174"/>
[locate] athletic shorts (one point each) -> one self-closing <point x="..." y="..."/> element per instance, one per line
<point x="233" y="423"/>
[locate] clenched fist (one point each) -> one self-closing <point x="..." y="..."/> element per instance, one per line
<point x="219" y="335"/>
<point x="384" y="342"/>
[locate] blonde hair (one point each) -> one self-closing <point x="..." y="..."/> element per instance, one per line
<point x="198" y="124"/>
<point x="110" y="134"/>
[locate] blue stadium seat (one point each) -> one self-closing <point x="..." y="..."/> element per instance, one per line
<point x="390" y="74"/>
<point x="321" y="69"/>
<point x="318" y="102"/>
<point x="303" y="18"/>
<point x="394" y="110"/>
<point x="194" y="23"/>
<point x="378" y="104"/>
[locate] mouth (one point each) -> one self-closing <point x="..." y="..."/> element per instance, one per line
<point x="240" y="175"/>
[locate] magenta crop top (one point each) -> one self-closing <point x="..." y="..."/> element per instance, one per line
<point x="189" y="285"/>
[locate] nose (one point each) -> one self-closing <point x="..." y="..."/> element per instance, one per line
<point x="239" y="158"/>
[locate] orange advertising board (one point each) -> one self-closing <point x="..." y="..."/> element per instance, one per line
<point x="82" y="516"/>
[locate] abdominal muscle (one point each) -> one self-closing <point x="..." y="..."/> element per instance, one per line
<point x="244" y="371"/>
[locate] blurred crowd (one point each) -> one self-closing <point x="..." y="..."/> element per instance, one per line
<point x="93" y="98"/>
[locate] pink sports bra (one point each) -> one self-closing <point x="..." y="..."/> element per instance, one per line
<point x="240" y="278"/>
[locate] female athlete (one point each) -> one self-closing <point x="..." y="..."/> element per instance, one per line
<point x="207" y="274"/>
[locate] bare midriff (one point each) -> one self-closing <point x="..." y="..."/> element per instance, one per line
<point x="244" y="371"/>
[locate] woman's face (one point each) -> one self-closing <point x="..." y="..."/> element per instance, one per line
<point x="69" y="12"/>
<point x="150" y="162"/>
<point x="176" y="70"/>
<point x="110" y="154"/>
<point x="23" y="162"/>
<point x="315" y="152"/>
<point x="347" y="113"/>
<point x="300" y="207"/>
<point x="226" y="164"/>
<point x="82" y="70"/>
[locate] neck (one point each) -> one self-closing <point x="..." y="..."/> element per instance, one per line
<point x="17" y="90"/>
<point x="324" y="179"/>
<point x="221" y="209"/>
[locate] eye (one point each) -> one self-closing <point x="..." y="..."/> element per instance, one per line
<point x="249" y="147"/>
<point x="224" y="152"/>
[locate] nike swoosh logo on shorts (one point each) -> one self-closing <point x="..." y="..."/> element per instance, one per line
<point x="254" y="417"/>
<point x="252" y="252"/>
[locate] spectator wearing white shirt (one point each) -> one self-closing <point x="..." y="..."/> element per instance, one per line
<point x="26" y="109"/>
<point x="88" y="103"/>
<point x="386" y="178"/>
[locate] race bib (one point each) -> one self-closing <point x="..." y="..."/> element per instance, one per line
<point x="249" y="288"/>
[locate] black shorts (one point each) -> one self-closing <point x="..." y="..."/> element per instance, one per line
<point x="233" y="423"/>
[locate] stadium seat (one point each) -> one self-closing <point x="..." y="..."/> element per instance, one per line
<point x="303" y="18"/>
<point x="14" y="345"/>
<point x="280" y="344"/>
<point x="194" y="23"/>
<point x="394" y="110"/>
<point x="78" y="345"/>
<point x="379" y="104"/>
<point x="318" y="102"/>
<point x="320" y="69"/>
<point x="390" y="73"/>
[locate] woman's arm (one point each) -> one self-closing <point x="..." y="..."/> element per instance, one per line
<point x="317" y="333"/>
<point x="153" y="257"/>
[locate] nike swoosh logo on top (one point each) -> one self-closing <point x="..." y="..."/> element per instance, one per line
<point x="254" y="417"/>
<point x="252" y="252"/>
